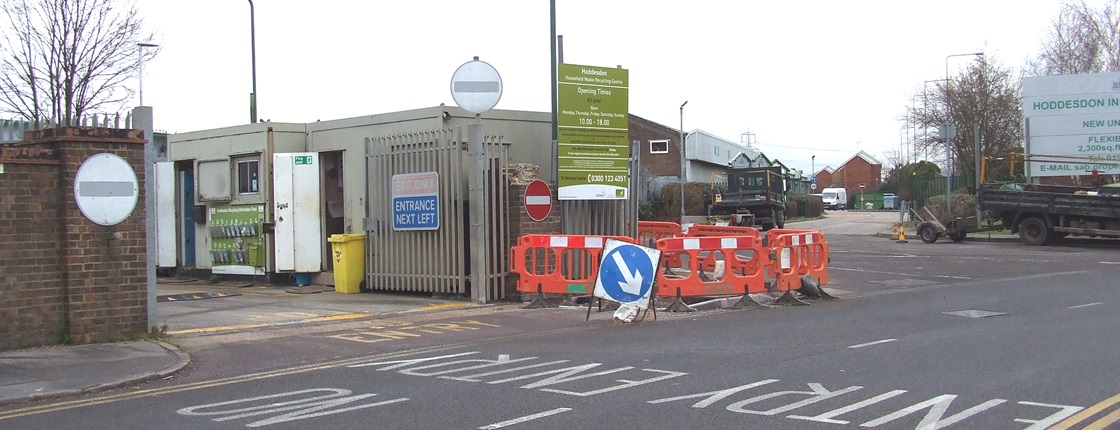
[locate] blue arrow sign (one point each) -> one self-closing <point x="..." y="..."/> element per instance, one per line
<point x="626" y="273"/>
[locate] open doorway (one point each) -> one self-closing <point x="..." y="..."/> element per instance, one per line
<point x="334" y="202"/>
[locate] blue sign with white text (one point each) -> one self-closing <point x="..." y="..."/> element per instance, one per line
<point x="416" y="213"/>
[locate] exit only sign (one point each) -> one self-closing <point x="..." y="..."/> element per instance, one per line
<point x="302" y="159"/>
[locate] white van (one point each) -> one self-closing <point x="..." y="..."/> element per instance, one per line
<point x="835" y="198"/>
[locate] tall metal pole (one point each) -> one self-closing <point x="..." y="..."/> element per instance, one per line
<point x="142" y="46"/>
<point x="253" y="41"/>
<point x="683" y="180"/>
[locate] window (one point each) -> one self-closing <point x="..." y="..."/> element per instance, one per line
<point x="248" y="173"/>
<point x="659" y="147"/>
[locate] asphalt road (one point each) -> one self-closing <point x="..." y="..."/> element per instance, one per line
<point x="971" y="335"/>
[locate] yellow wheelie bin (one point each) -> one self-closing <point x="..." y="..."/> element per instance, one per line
<point x="349" y="253"/>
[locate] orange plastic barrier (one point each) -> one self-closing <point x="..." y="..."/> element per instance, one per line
<point x="558" y="264"/>
<point x="796" y="253"/>
<point x="703" y="230"/>
<point x="740" y="276"/>
<point x="649" y="232"/>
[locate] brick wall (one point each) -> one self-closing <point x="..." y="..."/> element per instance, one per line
<point x="653" y="165"/>
<point x="521" y="224"/>
<point x="64" y="276"/>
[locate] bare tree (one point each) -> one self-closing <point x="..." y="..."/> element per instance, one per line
<point x="984" y="95"/>
<point x="1081" y="39"/>
<point x="63" y="59"/>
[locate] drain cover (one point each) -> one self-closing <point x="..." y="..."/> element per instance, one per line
<point x="974" y="313"/>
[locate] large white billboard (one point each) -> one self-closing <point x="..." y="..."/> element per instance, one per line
<point x="1073" y="123"/>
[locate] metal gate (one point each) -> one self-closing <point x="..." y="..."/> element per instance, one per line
<point x="434" y="261"/>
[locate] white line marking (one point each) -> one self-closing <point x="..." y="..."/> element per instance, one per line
<point x="1086" y="305"/>
<point x="952" y="277"/>
<point x="508" y="423"/>
<point x="872" y="343"/>
<point x="1109" y="262"/>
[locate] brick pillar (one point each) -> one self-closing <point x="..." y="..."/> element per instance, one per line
<point x="103" y="267"/>
<point x="521" y="224"/>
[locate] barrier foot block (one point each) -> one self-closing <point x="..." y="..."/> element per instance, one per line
<point x="747" y="302"/>
<point x="540" y="301"/>
<point x="825" y="296"/>
<point x="789" y="299"/>
<point x="679" y="305"/>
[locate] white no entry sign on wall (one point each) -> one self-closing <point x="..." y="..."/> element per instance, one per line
<point x="106" y="189"/>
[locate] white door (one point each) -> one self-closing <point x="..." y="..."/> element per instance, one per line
<point x="166" y="234"/>
<point x="296" y="212"/>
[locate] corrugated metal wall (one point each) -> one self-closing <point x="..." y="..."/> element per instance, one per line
<point x="435" y="261"/>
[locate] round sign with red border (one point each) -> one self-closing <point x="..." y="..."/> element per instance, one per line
<point x="861" y="186"/>
<point x="538" y="200"/>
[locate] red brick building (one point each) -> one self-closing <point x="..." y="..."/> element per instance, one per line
<point x="824" y="178"/>
<point x="660" y="154"/>
<point x="862" y="168"/>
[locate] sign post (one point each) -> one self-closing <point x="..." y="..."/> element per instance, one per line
<point x="476" y="87"/>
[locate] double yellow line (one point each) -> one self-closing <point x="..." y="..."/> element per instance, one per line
<point x="1091" y="411"/>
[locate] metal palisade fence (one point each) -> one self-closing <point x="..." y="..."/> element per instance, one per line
<point x="922" y="189"/>
<point x="435" y="260"/>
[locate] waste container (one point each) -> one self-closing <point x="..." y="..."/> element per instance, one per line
<point x="890" y="201"/>
<point x="349" y="253"/>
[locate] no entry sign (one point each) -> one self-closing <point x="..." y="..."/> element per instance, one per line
<point x="538" y="200"/>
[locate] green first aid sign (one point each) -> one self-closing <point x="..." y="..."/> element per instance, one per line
<point x="593" y="142"/>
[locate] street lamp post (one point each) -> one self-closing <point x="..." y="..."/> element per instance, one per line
<point x="681" y="142"/>
<point x="253" y="42"/>
<point x="948" y="152"/>
<point x="142" y="46"/>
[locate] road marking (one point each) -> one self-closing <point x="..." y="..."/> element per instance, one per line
<point x="339" y="317"/>
<point x="1103" y="423"/>
<point x="872" y="343"/>
<point x="526" y="418"/>
<point x="1089" y="412"/>
<point x="1110" y="262"/>
<point x="1086" y="305"/>
<point x="443" y="306"/>
<point x="153" y="392"/>
<point x="970" y="283"/>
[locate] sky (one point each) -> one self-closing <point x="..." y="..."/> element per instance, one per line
<point x="805" y="78"/>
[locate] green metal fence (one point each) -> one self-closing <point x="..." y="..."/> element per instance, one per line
<point x="921" y="189"/>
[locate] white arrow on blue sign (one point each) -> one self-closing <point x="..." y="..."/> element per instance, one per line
<point x="626" y="273"/>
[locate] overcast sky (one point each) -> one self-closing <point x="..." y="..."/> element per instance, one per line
<point x="805" y="77"/>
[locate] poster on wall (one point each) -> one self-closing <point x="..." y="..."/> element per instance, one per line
<point x="593" y="149"/>
<point x="236" y="243"/>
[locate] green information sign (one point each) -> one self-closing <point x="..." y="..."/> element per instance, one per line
<point x="593" y="156"/>
<point x="302" y="159"/>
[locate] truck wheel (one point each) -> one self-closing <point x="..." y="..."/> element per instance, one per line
<point x="781" y="220"/>
<point x="927" y="233"/>
<point x="1033" y="231"/>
